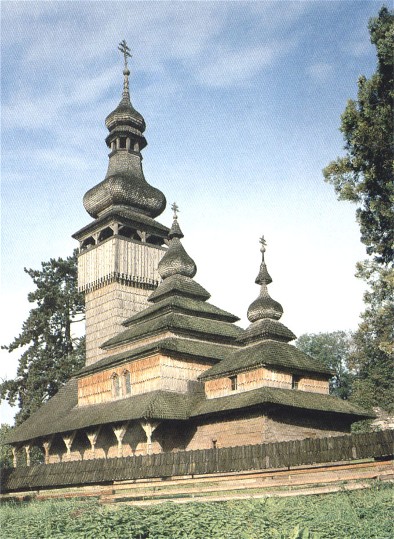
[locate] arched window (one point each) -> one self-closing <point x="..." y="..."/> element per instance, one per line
<point x="127" y="382"/>
<point x="115" y="385"/>
<point x="233" y="383"/>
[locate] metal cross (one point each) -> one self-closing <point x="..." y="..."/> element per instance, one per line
<point x="175" y="209"/>
<point x="125" y="50"/>
<point x="263" y="245"/>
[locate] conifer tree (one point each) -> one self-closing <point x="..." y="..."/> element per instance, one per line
<point x="365" y="176"/>
<point x="50" y="352"/>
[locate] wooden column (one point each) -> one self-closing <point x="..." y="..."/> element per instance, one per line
<point x="27" y="450"/>
<point x="15" y="450"/>
<point x="120" y="431"/>
<point x="92" y="437"/>
<point x="68" y="440"/>
<point x="46" y="444"/>
<point x="149" y="427"/>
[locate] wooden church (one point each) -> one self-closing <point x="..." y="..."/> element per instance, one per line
<point x="165" y="369"/>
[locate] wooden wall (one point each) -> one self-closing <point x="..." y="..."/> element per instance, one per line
<point x="117" y="277"/>
<point x="147" y="374"/>
<point x="263" y="377"/>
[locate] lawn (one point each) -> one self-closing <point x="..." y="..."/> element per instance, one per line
<point x="361" y="514"/>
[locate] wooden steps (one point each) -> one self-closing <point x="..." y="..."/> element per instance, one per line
<point x="302" y="481"/>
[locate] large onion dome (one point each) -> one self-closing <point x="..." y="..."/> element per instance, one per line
<point x="124" y="185"/>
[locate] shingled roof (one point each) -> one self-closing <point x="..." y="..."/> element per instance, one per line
<point x="267" y="352"/>
<point x="178" y="304"/>
<point x="62" y="413"/>
<point x="211" y="352"/>
<point x="192" y="325"/>
<point x="281" y="397"/>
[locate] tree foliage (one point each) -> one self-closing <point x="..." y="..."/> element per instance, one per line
<point x="6" y="460"/>
<point x="50" y="353"/>
<point x="365" y="176"/>
<point x="332" y="350"/>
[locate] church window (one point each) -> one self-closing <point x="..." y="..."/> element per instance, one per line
<point x="234" y="383"/>
<point x="295" y="381"/>
<point x="116" y="389"/>
<point x="106" y="233"/>
<point x="127" y="382"/>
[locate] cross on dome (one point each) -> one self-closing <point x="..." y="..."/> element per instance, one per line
<point x="263" y="245"/>
<point x="125" y="50"/>
<point x="175" y="209"/>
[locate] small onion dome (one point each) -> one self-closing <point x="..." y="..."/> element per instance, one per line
<point x="264" y="307"/>
<point x="176" y="261"/>
<point x="125" y="113"/>
<point x="263" y="277"/>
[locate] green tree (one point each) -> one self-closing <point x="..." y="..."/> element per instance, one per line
<point x="6" y="460"/>
<point x="50" y="353"/>
<point x="365" y="176"/>
<point x="332" y="350"/>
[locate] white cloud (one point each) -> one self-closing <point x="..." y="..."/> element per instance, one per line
<point x="320" y="72"/>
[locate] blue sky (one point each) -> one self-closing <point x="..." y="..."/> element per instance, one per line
<point x="242" y="102"/>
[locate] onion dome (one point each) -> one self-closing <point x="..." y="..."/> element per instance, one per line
<point x="124" y="185"/>
<point x="177" y="269"/>
<point x="176" y="261"/>
<point x="265" y="312"/>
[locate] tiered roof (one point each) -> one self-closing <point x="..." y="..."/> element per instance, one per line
<point x="265" y="341"/>
<point x="180" y="306"/>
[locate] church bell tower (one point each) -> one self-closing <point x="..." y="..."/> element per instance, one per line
<point x="121" y="249"/>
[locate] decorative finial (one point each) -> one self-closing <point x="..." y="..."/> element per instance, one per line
<point x="125" y="50"/>
<point x="263" y="245"/>
<point x="175" y="209"/>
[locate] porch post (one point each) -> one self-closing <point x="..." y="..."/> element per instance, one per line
<point x="149" y="427"/>
<point x="120" y="431"/>
<point x="92" y="437"/>
<point x="68" y="440"/>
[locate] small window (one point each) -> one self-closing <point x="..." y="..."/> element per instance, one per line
<point x="115" y="385"/>
<point x="214" y="444"/>
<point x="295" y="381"/>
<point x="127" y="382"/>
<point x="234" y="383"/>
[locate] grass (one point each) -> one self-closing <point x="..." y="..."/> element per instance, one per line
<point x="362" y="514"/>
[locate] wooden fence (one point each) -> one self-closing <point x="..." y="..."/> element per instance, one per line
<point x="208" y="461"/>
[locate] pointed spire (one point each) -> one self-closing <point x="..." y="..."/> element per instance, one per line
<point x="125" y="114"/>
<point x="264" y="312"/>
<point x="176" y="261"/>
<point x="124" y="185"/>
<point x="175" y="231"/>
<point x="264" y="306"/>
<point x="125" y="50"/>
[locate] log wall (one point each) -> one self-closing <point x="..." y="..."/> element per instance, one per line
<point x="117" y="277"/>
<point x="147" y="374"/>
<point x="263" y="377"/>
